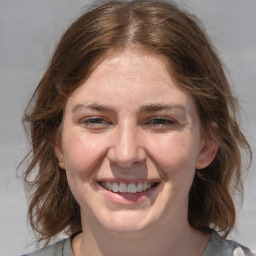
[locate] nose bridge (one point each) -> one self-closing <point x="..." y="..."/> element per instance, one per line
<point x="127" y="148"/>
<point x="127" y="143"/>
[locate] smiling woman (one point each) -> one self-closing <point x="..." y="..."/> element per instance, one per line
<point x="134" y="134"/>
<point x="133" y="145"/>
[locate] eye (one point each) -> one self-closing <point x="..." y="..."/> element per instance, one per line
<point x="160" y="123"/>
<point x="95" y="123"/>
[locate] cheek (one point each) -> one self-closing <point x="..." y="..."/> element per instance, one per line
<point x="176" y="155"/>
<point x="81" y="153"/>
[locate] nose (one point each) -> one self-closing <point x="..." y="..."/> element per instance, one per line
<point x="127" y="148"/>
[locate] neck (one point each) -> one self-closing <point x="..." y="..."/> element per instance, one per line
<point x="159" y="241"/>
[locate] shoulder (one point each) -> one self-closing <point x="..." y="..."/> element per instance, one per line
<point x="221" y="247"/>
<point x="61" y="248"/>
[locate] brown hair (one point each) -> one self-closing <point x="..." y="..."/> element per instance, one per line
<point x="157" y="27"/>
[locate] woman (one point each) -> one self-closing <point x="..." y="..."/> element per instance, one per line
<point x="135" y="137"/>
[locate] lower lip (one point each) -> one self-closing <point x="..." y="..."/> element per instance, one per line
<point x="130" y="198"/>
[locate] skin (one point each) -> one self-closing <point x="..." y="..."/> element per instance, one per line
<point x="131" y="122"/>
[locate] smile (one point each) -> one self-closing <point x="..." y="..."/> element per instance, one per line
<point x="122" y="187"/>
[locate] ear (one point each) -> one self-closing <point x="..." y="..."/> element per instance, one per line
<point x="207" y="154"/>
<point x="59" y="154"/>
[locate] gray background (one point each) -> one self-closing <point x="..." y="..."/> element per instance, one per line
<point x="29" y="31"/>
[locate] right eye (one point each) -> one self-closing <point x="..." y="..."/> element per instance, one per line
<point x="94" y="123"/>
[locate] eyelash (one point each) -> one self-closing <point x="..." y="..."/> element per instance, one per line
<point x="160" y="121"/>
<point x="94" y="122"/>
<point x="159" y="124"/>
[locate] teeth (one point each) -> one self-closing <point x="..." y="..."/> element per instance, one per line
<point x="131" y="188"/>
<point x="126" y="188"/>
<point x="144" y="186"/>
<point x="109" y="186"/>
<point x="123" y="187"/>
<point x="139" y="187"/>
<point x="115" y="187"/>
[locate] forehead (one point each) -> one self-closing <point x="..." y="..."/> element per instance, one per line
<point x="132" y="76"/>
<point x="130" y="65"/>
<point x="131" y="62"/>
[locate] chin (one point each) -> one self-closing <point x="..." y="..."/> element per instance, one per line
<point x="131" y="221"/>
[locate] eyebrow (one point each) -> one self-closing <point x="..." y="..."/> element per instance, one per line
<point x="144" y="109"/>
<point x="93" y="106"/>
<point x="161" y="107"/>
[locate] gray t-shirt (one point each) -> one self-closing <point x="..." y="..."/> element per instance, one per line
<point x="215" y="247"/>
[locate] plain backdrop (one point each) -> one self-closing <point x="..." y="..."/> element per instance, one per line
<point x="29" y="31"/>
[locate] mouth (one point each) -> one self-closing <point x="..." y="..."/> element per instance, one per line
<point x="132" y="188"/>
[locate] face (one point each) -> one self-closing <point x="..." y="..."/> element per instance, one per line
<point x="130" y="144"/>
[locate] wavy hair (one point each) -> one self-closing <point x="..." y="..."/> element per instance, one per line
<point x="157" y="27"/>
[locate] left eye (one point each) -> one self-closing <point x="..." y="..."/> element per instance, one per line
<point x="161" y="122"/>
